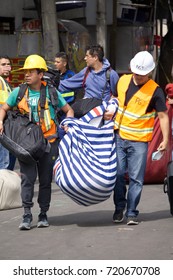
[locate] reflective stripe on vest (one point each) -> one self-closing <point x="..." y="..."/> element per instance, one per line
<point x="68" y="96"/>
<point x="132" y="120"/>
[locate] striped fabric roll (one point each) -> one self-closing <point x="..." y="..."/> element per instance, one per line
<point x="86" y="167"/>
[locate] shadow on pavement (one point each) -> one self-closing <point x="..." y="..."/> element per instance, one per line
<point x="102" y="218"/>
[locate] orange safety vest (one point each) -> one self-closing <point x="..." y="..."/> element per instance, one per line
<point x="49" y="128"/>
<point x="132" y="120"/>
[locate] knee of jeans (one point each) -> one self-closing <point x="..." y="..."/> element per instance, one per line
<point x="26" y="180"/>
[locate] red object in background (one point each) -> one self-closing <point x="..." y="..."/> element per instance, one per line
<point x="17" y="77"/>
<point x="169" y="90"/>
<point x="157" y="40"/>
<point x="156" y="170"/>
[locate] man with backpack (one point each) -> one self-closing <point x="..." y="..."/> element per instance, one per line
<point x="34" y="68"/>
<point x="98" y="79"/>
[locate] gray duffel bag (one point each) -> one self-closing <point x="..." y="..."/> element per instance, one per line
<point x="10" y="188"/>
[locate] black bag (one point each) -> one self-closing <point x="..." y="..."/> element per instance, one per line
<point x="83" y="106"/>
<point x="52" y="77"/>
<point x="168" y="185"/>
<point x="23" y="138"/>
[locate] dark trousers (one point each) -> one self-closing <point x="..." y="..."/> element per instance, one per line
<point x="12" y="162"/>
<point x="44" y="170"/>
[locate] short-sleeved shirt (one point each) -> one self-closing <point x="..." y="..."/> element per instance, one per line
<point x="158" y="100"/>
<point x="34" y="97"/>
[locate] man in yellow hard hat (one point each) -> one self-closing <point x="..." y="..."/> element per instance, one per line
<point x="34" y="68"/>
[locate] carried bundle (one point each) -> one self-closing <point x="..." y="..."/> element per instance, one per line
<point x="87" y="164"/>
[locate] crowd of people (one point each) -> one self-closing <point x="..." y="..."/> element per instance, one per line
<point x="140" y="98"/>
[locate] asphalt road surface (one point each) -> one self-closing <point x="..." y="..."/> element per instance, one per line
<point x="87" y="233"/>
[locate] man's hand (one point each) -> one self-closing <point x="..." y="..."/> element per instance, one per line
<point x="65" y="127"/>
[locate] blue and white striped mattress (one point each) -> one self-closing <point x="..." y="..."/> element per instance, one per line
<point x="87" y="165"/>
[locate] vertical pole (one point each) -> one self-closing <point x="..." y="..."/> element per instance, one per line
<point x="101" y="27"/>
<point x="50" y="29"/>
<point x="113" y="33"/>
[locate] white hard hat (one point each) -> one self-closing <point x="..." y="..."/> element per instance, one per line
<point x="142" y="63"/>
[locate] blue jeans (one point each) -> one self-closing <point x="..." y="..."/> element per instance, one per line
<point x="4" y="157"/>
<point x="131" y="159"/>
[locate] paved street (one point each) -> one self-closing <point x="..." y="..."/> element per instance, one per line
<point x="87" y="233"/>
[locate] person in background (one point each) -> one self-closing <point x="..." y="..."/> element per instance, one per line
<point x="139" y="99"/>
<point x="7" y="160"/>
<point x="93" y="81"/>
<point x="61" y="64"/>
<point x="34" y="68"/>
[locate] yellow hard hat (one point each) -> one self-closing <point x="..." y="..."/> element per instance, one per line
<point x="34" y="61"/>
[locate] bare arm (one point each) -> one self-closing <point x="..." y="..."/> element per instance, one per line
<point x="68" y="110"/>
<point x="69" y="113"/>
<point x="3" y="111"/>
<point x="164" y="125"/>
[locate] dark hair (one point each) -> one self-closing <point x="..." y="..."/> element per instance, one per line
<point x="96" y="50"/>
<point x="62" y="55"/>
<point x="5" y="56"/>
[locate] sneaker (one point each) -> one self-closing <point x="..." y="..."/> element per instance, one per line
<point x="26" y="223"/>
<point x="132" y="221"/>
<point x="42" y="220"/>
<point x="118" y="216"/>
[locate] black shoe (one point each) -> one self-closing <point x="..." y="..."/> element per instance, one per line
<point x="118" y="216"/>
<point x="42" y="220"/>
<point x="26" y="223"/>
<point x="132" y="221"/>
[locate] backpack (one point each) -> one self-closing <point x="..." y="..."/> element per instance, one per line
<point x="108" y="73"/>
<point x="52" y="77"/>
<point x="52" y="94"/>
